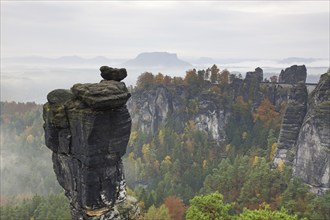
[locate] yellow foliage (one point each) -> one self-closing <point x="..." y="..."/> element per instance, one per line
<point x="244" y="135"/>
<point x="131" y="156"/>
<point x="255" y="160"/>
<point x="145" y="150"/>
<point x="272" y="151"/>
<point x="167" y="160"/>
<point x="280" y="165"/>
<point x="227" y="147"/>
<point x="132" y="138"/>
<point x="161" y="136"/>
<point x="204" y="164"/>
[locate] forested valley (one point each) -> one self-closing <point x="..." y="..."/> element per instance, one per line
<point x="176" y="171"/>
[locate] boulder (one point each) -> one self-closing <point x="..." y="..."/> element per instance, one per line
<point x="115" y="74"/>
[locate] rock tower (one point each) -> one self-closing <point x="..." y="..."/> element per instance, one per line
<point x="88" y="128"/>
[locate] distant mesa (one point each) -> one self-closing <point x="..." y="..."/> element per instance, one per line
<point x="157" y="59"/>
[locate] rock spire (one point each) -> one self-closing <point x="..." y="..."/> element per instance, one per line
<point x="88" y="128"/>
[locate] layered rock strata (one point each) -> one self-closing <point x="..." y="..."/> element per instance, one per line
<point x="312" y="161"/>
<point x="291" y="124"/>
<point x="304" y="140"/>
<point x="88" y="128"/>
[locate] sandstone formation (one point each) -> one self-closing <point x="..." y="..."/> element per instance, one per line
<point x="88" y="128"/>
<point x="251" y="89"/>
<point x="291" y="124"/>
<point x="304" y="140"/>
<point x="312" y="161"/>
<point x="293" y="74"/>
<point x="153" y="108"/>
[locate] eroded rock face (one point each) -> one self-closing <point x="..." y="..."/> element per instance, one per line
<point x="155" y="107"/>
<point x="291" y="124"/>
<point x="293" y="74"/>
<point x="312" y="162"/>
<point x="304" y="140"/>
<point x="88" y="128"/>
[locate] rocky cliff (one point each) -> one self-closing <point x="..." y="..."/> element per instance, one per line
<point x="154" y="106"/>
<point x="209" y="106"/>
<point x="157" y="106"/>
<point x="304" y="140"/>
<point x="291" y="124"/>
<point x="312" y="159"/>
<point x="88" y="128"/>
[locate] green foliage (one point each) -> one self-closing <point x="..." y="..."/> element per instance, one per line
<point x="318" y="207"/>
<point x="177" y="161"/>
<point x="26" y="166"/>
<point x="266" y="214"/>
<point x="156" y="213"/>
<point x="208" y="207"/>
<point x="52" y="207"/>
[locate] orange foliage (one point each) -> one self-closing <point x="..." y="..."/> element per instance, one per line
<point x="175" y="207"/>
<point x="267" y="114"/>
<point x="190" y="78"/>
<point x="159" y="78"/>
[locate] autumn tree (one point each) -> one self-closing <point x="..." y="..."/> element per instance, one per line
<point x="267" y="114"/>
<point x="167" y="80"/>
<point x="191" y="78"/>
<point x="178" y="81"/>
<point x="214" y="74"/>
<point x="224" y="78"/>
<point x="159" y="79"/>
<point x="146" y="79"/>
<point x="175" y="207"/>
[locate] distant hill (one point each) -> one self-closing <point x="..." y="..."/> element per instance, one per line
<point x="157" y="59"/>
<point x="298" y="60"/>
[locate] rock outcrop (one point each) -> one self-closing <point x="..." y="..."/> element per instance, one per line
<point x="291" y="124"/>
<point x="312" y="161"/>
<point x="293" y="74"/>
<point x="88" y="128"/>
<point x="304" y="140"/>
<point x="157" y="106"/>
<point x="251" y="88"/>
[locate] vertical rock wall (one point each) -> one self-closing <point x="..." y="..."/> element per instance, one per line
<point x="88" y="128"/>
<point x="291" y="124"/>
<point x="304" y="140"/>
<point x="312" y="162"/>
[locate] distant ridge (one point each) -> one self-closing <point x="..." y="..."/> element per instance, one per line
<point x="157" y="59"/>
<point x="66" y="60"/>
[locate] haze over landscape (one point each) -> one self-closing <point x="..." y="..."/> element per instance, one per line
<point x="48" y="45"/>
<point x="211" y="109"/>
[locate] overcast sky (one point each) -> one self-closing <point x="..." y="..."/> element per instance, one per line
<point x="118" y="29"/>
